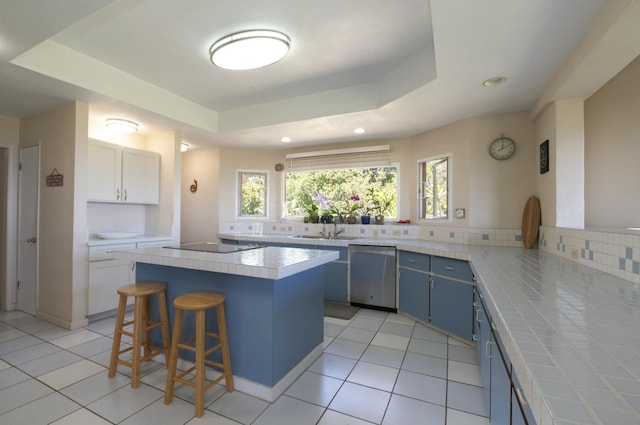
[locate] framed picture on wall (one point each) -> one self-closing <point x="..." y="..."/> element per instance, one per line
<point x="544" y="157"/>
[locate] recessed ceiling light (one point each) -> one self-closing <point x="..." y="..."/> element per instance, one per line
<point x="285" y="139"/>
<point x="494" y="81"/>
<point x="123" y="126"/>
<point x="359" y="130"/>
<point x="184" y="146"/>
<point x="249" y="49"/>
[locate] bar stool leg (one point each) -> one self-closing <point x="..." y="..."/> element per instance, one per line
<point x="226" y="355"/>
<point x="138" y="327"/>
<point x="117" y="336"/>
<point x="162" y="306"/>
<point x="172" y="362"/>
<point x="200" y="372"/>
<point x="146" y="321"/>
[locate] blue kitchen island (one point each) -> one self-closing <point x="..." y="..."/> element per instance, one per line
<point x="274" y="305"/>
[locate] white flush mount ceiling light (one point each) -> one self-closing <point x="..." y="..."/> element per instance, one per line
<point x="184" y="146"/>
<point x="123" y="126"/>
<point x="249" y="49"/>
<point x="494" y="81"/>
<point x="359" y="130"/>
<point x="285" y="139"/>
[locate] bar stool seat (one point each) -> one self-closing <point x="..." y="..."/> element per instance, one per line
<point x="199" y="302"/>
<point x="142" y="326"/>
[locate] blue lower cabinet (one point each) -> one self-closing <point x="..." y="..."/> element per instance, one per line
<point x="483" y="348"/>
<point x="452" y="306"/>
<point x="500" y="388"/>
<point x="336" y="281"/>
<point x="413" y="298"/>
<point x="521" y="413"/>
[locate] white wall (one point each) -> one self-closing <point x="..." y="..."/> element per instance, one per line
<point x="9" y="131"/>
<point x="62" y="263"/>
<point x="612" y="152"/>
<point x="199" y="209"/>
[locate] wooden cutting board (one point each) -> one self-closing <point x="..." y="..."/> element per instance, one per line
<point x="530" y="222"/>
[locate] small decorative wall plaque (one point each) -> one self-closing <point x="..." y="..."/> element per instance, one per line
<point x="544" y="157"/>
<point x="54" y="179"/>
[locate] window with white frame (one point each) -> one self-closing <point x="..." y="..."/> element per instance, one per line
<point x="364" y="183"/>
<point x="433" y="188"/>
<point x="252" y="196"/>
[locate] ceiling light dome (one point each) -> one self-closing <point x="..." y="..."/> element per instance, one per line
<point x="123" y="126"/>
<point x="249" y="49"/>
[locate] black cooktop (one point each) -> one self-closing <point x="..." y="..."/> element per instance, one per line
<point x="219" y="248"/>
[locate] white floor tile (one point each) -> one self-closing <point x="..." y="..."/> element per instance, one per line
<point x="456" y="417"/>
<point x="428" y="348"/>
<point x="238" y="406"/>
<point x="396" y="342"/>
<point x="95" y="387"/>
<point x="404" y="410"/>
<point x="80" y="337"/>
<point x="158" y="413"/>
<point x="383" y="356"/>
<point x="467" y="398"/>
<point x="373" y="375"/>
<point x="427" y="365"/>
<point x="362" y="402"/>
<point x="70" y="374"/>
<point x="20" y="394"/>
<point x="48" y="363"/>
<point x="345" y="348"/>
<point x="41" y="411"/>
<point x="124" y="402"/>
<point x="315" y="388"/>
<point x="290" y="411"/>
<point x="423" y="387"/>
<point x="30" y="353"/>
<point x="465" y="373"/>
<point x="332" y="417"/>
<point x="359" y="335"/>
<point x="332" y="365"/>
<point x="81" y="417"/>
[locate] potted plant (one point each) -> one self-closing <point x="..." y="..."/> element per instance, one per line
<point x="353" y="209"/>
<point x="325" y="207"/>
<point x="381" y="202"/>
<point x="312" y="213"/>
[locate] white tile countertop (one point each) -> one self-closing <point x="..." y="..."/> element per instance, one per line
<point x="140" y="238"/>
<point x="572" y="332"/>
<point x="267" y="263"/>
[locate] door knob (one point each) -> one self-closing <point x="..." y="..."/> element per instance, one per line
<point x="32" y="240"/>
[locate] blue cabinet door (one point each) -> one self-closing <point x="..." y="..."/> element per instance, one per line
<point x="414" y="293"/>
<point x="452" y="306"/>
<point x="484" y="352"/>
<point x="336" y="275"/>
<point x="500" y="388"/>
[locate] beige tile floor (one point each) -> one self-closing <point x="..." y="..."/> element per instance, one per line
<point x="377" y="368"/>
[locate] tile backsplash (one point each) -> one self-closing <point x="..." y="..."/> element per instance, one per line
<point x="463" y="235"/>
<point x="613" y="252"/>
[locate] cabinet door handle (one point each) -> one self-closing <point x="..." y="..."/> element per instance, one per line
<point x="474" y="337"/>
<point x="487" y="349"/>
<point x="133" y="265"/>
<point x="478" y="315"/>
<point x="125" y="194"/>
<point x="521" y="398"/>
<point x="411" y="260"/>
<point x="449" y="268"/>
<point x="117" y="194"/>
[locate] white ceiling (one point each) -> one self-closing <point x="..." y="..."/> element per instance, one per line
<point x="395" y="68"/>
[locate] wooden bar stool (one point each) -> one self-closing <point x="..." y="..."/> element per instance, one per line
<point x="199" y="302"/>
<point x="142" y="326"/>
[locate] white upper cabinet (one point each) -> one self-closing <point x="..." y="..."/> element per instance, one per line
<point x="121" y="174"/>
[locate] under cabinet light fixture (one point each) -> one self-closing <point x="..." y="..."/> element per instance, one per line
<point x="249" y="49"/>
<point x="123" y="126"/>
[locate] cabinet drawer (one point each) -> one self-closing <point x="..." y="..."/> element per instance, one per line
<point x="450" y="267"/>
<point x="104" y="252"/>
<point x="414" y="260"/>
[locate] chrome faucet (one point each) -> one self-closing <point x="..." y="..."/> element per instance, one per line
<point x="324" y="230"/>
<point x="336" y="232"/>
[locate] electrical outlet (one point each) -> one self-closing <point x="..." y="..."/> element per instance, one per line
<point x="574" y="253"/>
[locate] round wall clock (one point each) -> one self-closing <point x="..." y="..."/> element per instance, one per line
<point x="502" y="148"/>
<point x="279" y="167"/>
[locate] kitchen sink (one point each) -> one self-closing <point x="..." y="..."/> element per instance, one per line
<point x="338" y="238"/>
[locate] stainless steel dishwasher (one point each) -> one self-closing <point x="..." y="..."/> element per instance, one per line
<point x="372" y="276"/>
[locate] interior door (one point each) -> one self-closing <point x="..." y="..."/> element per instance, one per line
<point x="28" y="229"/>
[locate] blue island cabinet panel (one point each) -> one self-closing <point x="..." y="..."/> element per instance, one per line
<point x="272" y="324"/>
<point x="336" y="281"/>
